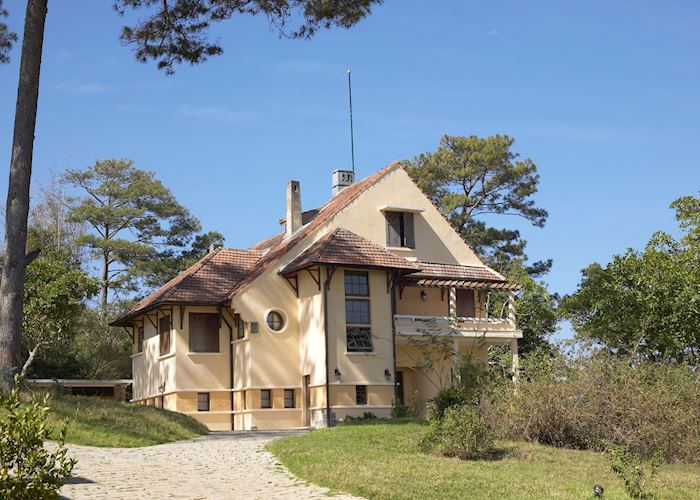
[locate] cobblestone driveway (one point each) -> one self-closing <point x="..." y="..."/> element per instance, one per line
<point x="220" y="465"/>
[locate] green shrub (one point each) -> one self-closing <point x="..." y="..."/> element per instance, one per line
<point x="589" y="402"/>
<point x="462" y="432"/>
<point x="27" y="469"/>
<point x="445" y="399"/>
<point x="632" y="469"/>
<point x="399" y="410"/>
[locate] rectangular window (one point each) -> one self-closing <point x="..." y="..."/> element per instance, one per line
<point x="289" y="401"/>
<point x="357" y="312"/>
<point x="164" y="335"/>
<point x="265" y="398"/>
<point x="139" y="339"/>
<point x="240" y="327"/>
<point x="356" y="284"/>
<point x="253" y="327"/>
<point x="399" y="230"/>
<point x="465" y="303"/>
<point x="204" y="332"/>
<point x="202" y="401"/>
<point x="360" y="394"/>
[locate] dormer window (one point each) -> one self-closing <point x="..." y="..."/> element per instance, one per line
<point x="399" y="229"/>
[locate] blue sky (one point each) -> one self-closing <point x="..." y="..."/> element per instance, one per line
<point x="602" y="96"/>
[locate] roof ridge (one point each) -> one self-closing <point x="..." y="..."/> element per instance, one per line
<point x="190" y="271"/>
<point x="276" y="252"/>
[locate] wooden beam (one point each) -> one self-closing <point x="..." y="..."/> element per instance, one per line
<point x="293" y="281"/>
<point x="182" y="315"/>
<point x="317" y="276"/>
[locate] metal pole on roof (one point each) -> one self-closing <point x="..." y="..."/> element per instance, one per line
<point x="352" y="136"/>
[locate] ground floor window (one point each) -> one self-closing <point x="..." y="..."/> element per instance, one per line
<point x="361" y="394"/>
<point x="289" y="398"/>
<point x="202" y="401"/>
<point x="265" y="398"/>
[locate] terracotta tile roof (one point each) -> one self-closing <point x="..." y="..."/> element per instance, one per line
<point x="208" y="281"/>
<point x="432" y="270"/>
<point x="343" y="247"/>
<point x="306" y="216"/>
<point x="277" y="246"/>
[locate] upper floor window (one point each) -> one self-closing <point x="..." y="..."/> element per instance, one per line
<point x="204" y="332"/>
<point x="240" y="327"/>
<point x="465" y="303"/>
<point x="357" y="312"/>
<point x="399" y="230"/>
<point x="164" y="336"/>
<point x="275" y="321"/>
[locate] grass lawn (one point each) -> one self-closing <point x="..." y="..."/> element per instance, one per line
<point x="382" y="460"/>
<point x="100" y="422"/>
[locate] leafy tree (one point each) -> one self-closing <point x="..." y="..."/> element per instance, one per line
<point x="101" y="351"/>
<point x="177" y="31"/>
<point x="471" y="177"/>
<point x="536" y="310"/>
<point x="645" y="304"/>
<point x="54" y="301"/>
<point x="133" y="218"/>
<point x="49" y="228"/>
<point x="7" y="37"/>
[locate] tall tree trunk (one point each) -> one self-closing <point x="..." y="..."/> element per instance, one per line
<point x="105" y="282"/>
<point x="17" y="210"/>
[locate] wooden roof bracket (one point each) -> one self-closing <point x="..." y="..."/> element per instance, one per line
<point x="293" y="281"/>
<point x="330" y="271"/>
<point x="154" y="323"/>
<point x="316" y="277"/>
<point x="131" y="333"/>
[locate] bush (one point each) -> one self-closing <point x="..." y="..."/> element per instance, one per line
<point x="589" y="402"/>
<point x="27" y="469"/>
<point x="462" y="432"/>
<point x="632" y="469"/>
<point x="445" y="399"/>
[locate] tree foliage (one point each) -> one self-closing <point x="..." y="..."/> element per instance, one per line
<point x="177" y="31"/>
<point x="133" y="219"/>
<point x="7" y="37"/>
<point x="645" y="303"/>
<point x="470" y="178"/>
<point x="55" y="293"/>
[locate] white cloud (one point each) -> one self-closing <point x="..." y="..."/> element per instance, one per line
<point x="493" y="33"/>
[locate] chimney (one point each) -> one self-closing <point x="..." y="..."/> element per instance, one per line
<point x="342" y="179"/>
<point x="293" y="219"/>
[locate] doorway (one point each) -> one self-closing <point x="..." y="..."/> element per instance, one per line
<point x="399" y="387"/>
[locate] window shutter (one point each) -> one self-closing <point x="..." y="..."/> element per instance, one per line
<point x="393" y="229"/>
<point x="465" y="303"/>
<point x="408" y="230"/>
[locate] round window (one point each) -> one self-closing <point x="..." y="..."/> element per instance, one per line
<point x="275" y="321"/>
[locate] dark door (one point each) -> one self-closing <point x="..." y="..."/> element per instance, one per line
<point x="465" y="303"/>
<point x="307" y="401"/>
<point x="399" y="387"/>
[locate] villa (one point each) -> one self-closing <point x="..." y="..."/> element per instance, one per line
<point x="318" y="322"/>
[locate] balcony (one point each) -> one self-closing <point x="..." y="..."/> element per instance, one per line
<point x="465" y="327"/>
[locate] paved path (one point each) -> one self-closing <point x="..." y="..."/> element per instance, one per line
<point x="216" y="466"/>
